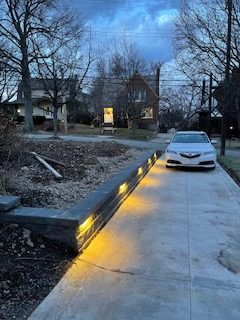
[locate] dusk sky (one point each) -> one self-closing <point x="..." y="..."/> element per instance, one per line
<point x="149" y="23"/>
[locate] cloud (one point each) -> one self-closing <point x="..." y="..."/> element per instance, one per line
<point x="149" y="23"/>
<point x="166" y="16"/>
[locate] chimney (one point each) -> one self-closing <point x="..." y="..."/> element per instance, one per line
<point x="158" y="81"/>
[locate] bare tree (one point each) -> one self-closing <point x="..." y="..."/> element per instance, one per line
<point x="8" y="82"/>
<point x="126" y="62"/>
<point x="179" y="105"/>
<point x="100" y="87"/>
<point x="201" y="37"/>
<point x="23" y="23"/>
<point x="116" y="83"/>
<point x="64" y="70"/>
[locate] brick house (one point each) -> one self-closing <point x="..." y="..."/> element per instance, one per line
<point x="139" y="101"/>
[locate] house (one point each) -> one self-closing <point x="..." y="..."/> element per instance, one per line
<point x="139" y="101"/>
<point x="42" y="92"/>
<point x="230" y="97"/>
<point x="214" y="127"/>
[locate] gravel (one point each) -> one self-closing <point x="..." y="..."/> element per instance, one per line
<point x="87" y="166"/>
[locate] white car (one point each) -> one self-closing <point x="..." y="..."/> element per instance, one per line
<point x="191" y="149"/>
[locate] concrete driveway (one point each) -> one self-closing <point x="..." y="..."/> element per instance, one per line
<point x="171" y="252"/>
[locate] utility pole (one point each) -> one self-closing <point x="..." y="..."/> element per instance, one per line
<point x="229" y="7"/>
<point x="158" y="93"/>
<point x="203" y="92"/>
<point x="210" y="107"/>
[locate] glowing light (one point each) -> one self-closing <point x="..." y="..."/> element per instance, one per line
<point x="86" y="224"/>
<point x="149" y="161"/>
<point x="155" y="155"/>
<point x="18" y="110"/>
<point x="140" y="171"/>
<point x="123" y="188"/>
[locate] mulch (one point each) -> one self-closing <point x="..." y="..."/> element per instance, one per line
<point x="30" y="268"/>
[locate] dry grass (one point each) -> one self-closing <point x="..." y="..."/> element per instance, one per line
<point x="11" y="147"/>
<point x="232" y="165"/>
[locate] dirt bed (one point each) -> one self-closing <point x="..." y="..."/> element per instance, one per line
<point x="30" y="268"/>
<point x="31" y="265"/>
<point x="86" y="166"/>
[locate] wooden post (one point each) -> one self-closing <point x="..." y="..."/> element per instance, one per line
<point x="65" y="115"/>
<point x="210" y="107"/>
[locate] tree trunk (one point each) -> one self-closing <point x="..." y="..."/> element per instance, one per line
<point x="29" y="126"/>
<point x="238" y="108"/>
<point x="55" y="121"/>
<point x="27" y="90"/>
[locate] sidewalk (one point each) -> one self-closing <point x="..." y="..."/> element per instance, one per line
<point x="163" y="256"/>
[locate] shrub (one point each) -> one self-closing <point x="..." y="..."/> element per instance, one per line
<point x="10" y="140"/>
<point x="38" y="119"/>
<point x="7" y="181"/>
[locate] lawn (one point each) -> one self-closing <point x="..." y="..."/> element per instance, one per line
<point x="83" y="129"/>
<point x="232" y="165"/>
<point x="233" y="144"/>
<point x="138" y="134"/>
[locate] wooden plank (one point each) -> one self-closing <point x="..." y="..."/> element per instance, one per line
<point x="40" y="159"/>
<point x="48" y="158"/>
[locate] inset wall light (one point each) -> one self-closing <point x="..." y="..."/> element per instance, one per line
<point x="140" y="171"/>
<point x="86" y="224"/>
<point x="123" y="188"/>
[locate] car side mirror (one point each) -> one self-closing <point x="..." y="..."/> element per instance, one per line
<point x="214" y="142"/>
<point x="167" y="141"/>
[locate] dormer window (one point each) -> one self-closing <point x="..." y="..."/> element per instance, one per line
<point x="140" y="95"/>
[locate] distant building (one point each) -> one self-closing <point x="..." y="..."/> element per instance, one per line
<point x="222" y="96"/>
<point x="139" y="100"/>
<point x="41" y="98"/>
<point x="230" y="97"/>
<point x="216" y="118"/>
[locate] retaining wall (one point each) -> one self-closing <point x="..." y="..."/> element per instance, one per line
<point x="76" y="226"/>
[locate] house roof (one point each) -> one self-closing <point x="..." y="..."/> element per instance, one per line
<point x="20" y="101"/>
<point x="43" y="84"/>
<point x="149" y="80"/>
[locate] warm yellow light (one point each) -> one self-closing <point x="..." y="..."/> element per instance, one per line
<point x="149" y="161"/>
<point x="123" y="188"/>
<point x="86" y="224"/>
<point x="140" y="171"/>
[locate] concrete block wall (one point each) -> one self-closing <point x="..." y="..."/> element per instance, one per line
<point x="76" y="226"/>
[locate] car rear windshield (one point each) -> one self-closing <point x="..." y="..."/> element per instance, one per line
<point x="190" y="138"/>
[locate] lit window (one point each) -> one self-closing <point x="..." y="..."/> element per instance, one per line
<point x="147" y="113"/>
